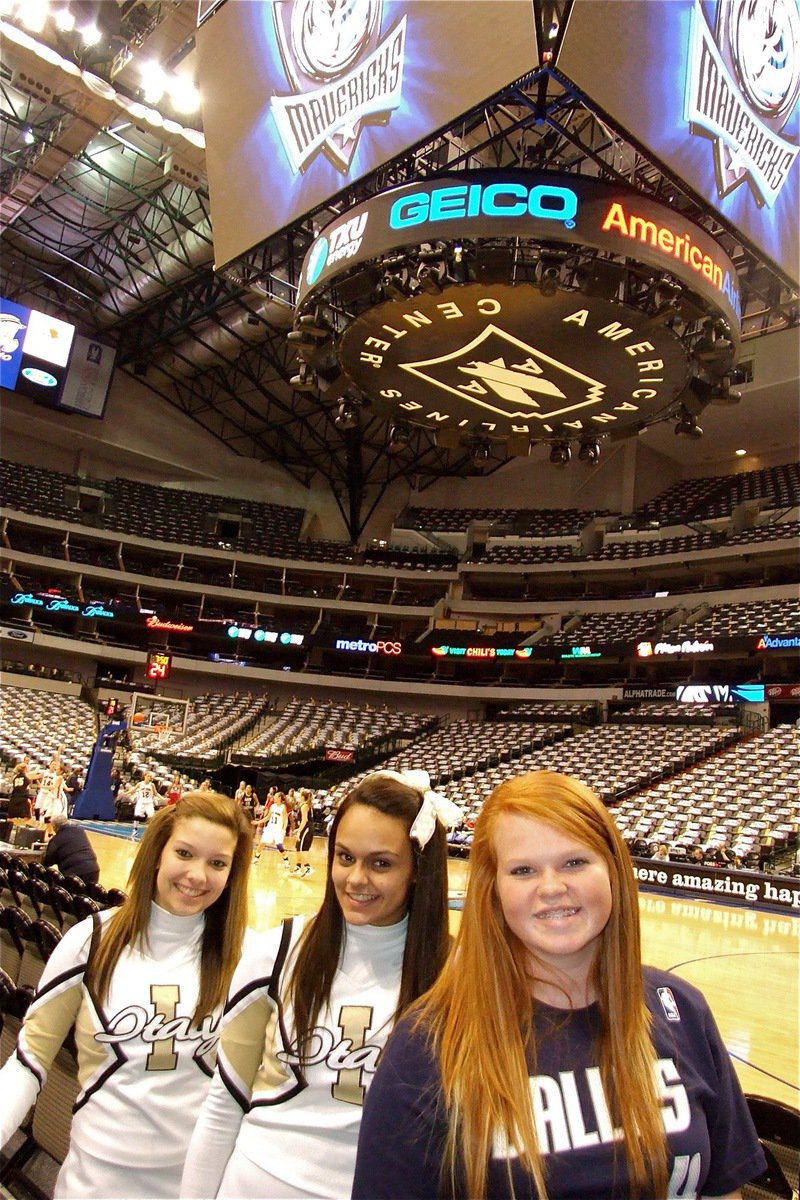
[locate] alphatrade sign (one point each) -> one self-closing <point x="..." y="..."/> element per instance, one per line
<point x="543" y="206"/>
<point x="511" y="361"/>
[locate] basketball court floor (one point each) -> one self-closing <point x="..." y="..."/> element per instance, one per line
<point x="744" y="961"/>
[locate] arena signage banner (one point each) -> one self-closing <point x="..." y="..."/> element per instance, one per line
<point x="712" y="89"/>
<point x="648" y="691"/>
<point x="686" y="646"/>
<point x="780" y="642"/>
<point x="360" y="646"/>
<point x="60" y="604"/>
<point x="720" y="693"/>
<point x="581" y="652"/>
<point x="474" y="652"/>
<point x="340" y="755"/>
<point x="546" y="206"/>
<point x="783" y="691"/>
<point x="325" y="93"/>
<point x="258" y="633"/>
<point x="729" y="887"/>
<point x="17" y="635"/>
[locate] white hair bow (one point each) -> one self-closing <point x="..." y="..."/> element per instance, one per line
<point x="434" y="806"/>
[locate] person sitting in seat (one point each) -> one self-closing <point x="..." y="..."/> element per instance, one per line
<point x="70" y="850"/>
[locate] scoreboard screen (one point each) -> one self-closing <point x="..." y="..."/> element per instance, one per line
<point x="159" y="665"/>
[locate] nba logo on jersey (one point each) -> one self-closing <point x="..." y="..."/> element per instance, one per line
<point x="668" y="1004"/>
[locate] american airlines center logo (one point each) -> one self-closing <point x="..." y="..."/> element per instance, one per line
<point x="343" y="75"/>
<point x="506" y="360"/>
<point x="742" y="85"/>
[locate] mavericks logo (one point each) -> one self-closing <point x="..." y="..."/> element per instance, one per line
<point x="342" y="75"/>
<point x="742" y="86"/>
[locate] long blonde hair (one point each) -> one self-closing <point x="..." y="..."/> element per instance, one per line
<point x="479" y="1012"/>
<point x="226" y="918"/>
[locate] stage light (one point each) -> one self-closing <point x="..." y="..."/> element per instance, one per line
<point x="428" y="280"/>
<point x="395" y="287"/>
<point x="64" y="20"/>
<point x="560" y="454"/>
<point x="481" y="451"/>
<point x="723" y="394"/>
<point x="347" y="416"/>
<point x="589" y="452"/>
<point x="687" y="426"/>
<point x="315" y="325"/>
<point x="399" y="437"/>
<point x="28" y="136"/>
<point x="549" y="280"/>
<point x="90" y="34"/>
<point x="305" y="380"/>
<point x="154" y="80"/>
<point x="183" y="94"/>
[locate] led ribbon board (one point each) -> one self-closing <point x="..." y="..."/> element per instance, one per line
<point x="546" y="207"/>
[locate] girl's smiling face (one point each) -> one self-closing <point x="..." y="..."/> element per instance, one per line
<point x="194" y="866"/>
<point x="555" y="894"/>
<point x="373" y="867"/>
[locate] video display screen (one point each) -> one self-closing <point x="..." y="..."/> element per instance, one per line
<point x="300" y="99"/>
<point x="42" y="357"/>
<point x="712" y="89"/>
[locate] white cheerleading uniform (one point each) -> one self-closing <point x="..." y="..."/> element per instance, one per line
<point x="56" y="804"/>
<point x="143" y="1067"/>
<point x="271" y="1127"/>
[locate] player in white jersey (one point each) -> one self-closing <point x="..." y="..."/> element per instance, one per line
<point x="144" y="798"/>
<point x="49" y="790"/>
<point x="311" y="1008"/>
<point x="143" y="985"/>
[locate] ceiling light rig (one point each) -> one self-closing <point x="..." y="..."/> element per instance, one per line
<point x="560" y="453"/>
<point x="563" y="311"/>
<point x="59" y="38"/>
<point x="348" y="416"/>
<point x="687" y="426"/>
<point x="589" y="451"/>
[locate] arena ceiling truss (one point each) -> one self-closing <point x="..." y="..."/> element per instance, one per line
<point x="106" y="223"/>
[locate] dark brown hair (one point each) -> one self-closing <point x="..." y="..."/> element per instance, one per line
<point x="427" y="940"/>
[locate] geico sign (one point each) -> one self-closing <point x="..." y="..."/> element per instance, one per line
<point x="369" y="647"/>
<point x="546" y="201"/>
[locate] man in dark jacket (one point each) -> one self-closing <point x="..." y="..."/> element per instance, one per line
<point x="70" y="850"/>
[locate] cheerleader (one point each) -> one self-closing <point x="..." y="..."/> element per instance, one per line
<point x="305" y="834"/>
<point x="143" y="985"/>
<point x="313" y="1002"/>
<point x="49" y="787"/>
